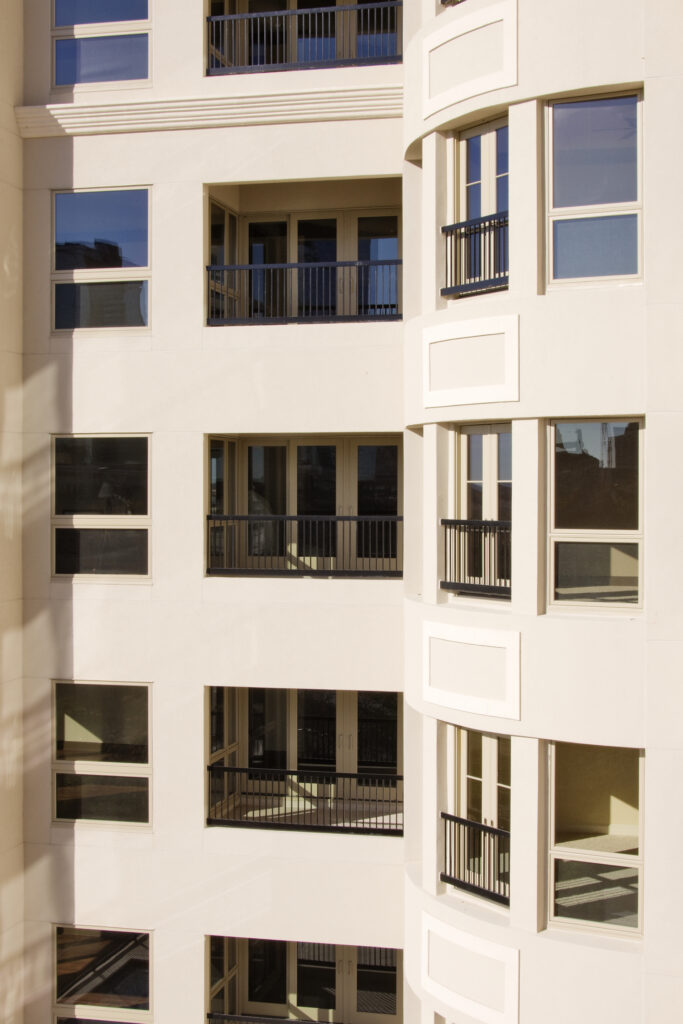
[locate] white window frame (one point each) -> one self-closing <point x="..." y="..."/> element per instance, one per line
<point x="594" y="856"/>
<point x="90" y="30"/>
<point x="112" y="769"/>
<point x="90" y="1011"/>
<point x="102" y="275"/>
<point x="592" y="212"/>
<point x="578" y="536"/>
<point x="101" y="522"/>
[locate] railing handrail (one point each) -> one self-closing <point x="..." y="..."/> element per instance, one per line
<point x="477" y="825"/>
<point x="476" y="221"/>
<point x="306" y="11"/>
<point x="246" y="1018"/>
<point x="260" y="517"/>
<point x="315" y="773"/>
<point x="328" y="265"/>
<point x="504" y="523"/>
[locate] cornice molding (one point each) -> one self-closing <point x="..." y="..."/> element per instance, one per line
<point x="342" y="104"/>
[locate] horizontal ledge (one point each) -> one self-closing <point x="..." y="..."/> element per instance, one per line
<point x="476" y="588"/>
<point x="493" y="896"/>
<point x="338" y="829"/>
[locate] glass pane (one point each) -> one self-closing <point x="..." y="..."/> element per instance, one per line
<point x="503" y="760"/>
<point x="316" y="975"/>
<point x="473" y="202"/>
<point x="503" y="820"/>
<point x="103" y="968"/>
<point x="218" y="1001"/>
<point x="217" y="469"/>
<point x="595" y="246"/>
<point x="596" y="475"/>
<point x="101" y="59"/>
<point x="474" y="501"/>
<point x="317" y="729"/>
<point x="474" y="159"/>
<point x="101" y="476"/>
<point x="377" y="480"/>
<point x="505" y="503"/>
<point x="101" y="229"/>
<point x="105" y="304"/>
<point x="217" y="953"/>
<point x="317" y="241"/>
<point x="596" y="572"/>
<point x="505" y="456"/>
<point x="601" y="893"/>
<point x="267" y="971"/>
<point x="232" y="716"/>
<point x="474" y="456"/>
<point x="217" y="718"/>
<point x="268" y="242"/>
<point x="232" y="953"/>
<point x="595" y="152"/>
<point x="474" y="755"/>
<point x="502" y="150"/>
<point x="377" y="238"/>
<point x="316" y="489"/>
<point x="377" y="731"/>
<point x="597" y="798"/>
<point x="377" y="286"/>
<point x="102" y="798"/>
<point x="375" y="980"/>
<point x="115" y="552"/>
<point x="267" y="728"/>
<point x="266" y="482"/>
<point x="317" y="285"/>
<point x="232" y="996"/>
<point x="473" y="810"/>
<point x="217" y="256"/>
<point x="101" y="723"/>
<point x="84" y="12"/>
<point x="502" y="200"/>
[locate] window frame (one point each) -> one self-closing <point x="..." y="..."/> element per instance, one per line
<point x="103" y="275"/>
<point x="112" y="769"/>
<point x="592" y="212"/>
<point x="65" y="1011"/>
<point x="91" y="521"/>
<point x="94" y="30"/>
<point x="593" y="856"/>
<point x="588" y="536"/>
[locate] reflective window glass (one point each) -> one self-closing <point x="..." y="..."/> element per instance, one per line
<point x="104" y="304"/>
<point x="101" y="59"/>
<point x="87" y="12"/>
<point x="596" y="475"/>
<point x="375" y="980"/>
<point x="267" y="970"/>
<point x="110" y="552"/>
<point x="102" y="798"/>
<point x="600" y="893"/>
<point x="101" y="723"/>
<point x="101" y="476"/>
<point x="103" y="229"/>
<point x="103" y="968"/>
<point x="595" y="152"/>
<point x="595" y="246"/>
<point x="316" y="975"/>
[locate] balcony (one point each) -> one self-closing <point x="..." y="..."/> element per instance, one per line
<point x="477" y="858"/>
<point x="476" y="255"/>
<point x="276" y="293"/>
<point x="305" y="760"/>
<point x="477" y="556"/>
<point x="260" y="545"/>
<point x="314" y="37"/>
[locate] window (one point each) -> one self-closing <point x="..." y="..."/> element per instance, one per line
<point x="477" y="827"/>
<point x="100" y="41"/>
<point x="101" y="514"/>
<point x="595" y="188"/>
<point x="477" y="245"/>
<point x="596" y="516"/>
<point x="101" y="259"/>
<point x="101" y="765"/>
<point x="308" y="980"/>
<point x="103" y="970"/>
<point x="596" y="855"/>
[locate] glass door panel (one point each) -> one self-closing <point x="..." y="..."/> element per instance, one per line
<point x="316" y="502"/>
<point x="316" y="980"/>
<point x="377" y="284"/>
<point x="316" y="730"/>
<point x="268" y="287"/>
<point x="316" y="34"/>
<point x="376" y="472"/>
<point x="317" y="280"/>
<point x="267" y="498"/>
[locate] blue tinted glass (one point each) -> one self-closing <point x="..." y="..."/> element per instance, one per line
<point x="88" y="12"/>
<point x="502" y="194"/>
<point x="101" y="229"/>
<point x="101" y="304"/>
<point x="474" y="158"/>
<point x="595" y="246"/>
<point x="595" y="152"/>
<point x="473" y="201"/>
<point x="502" y="150"/>
<point x="100" y="59"/>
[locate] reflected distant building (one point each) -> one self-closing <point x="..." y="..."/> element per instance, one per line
<point x="340" y="651"/>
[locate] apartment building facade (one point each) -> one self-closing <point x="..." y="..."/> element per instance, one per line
<point x="341" y="643"/>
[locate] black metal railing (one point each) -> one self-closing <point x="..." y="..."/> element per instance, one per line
<point x="319" y="801"/>
<point x="476" y="255"/>
<point x="305" y="545"/>
<point x="246" y="1018"/>
<point x="477" y="858"/>
<point x="477" y="556"/>
<point x="316" y="37"/>
<point x="299" y="292"/>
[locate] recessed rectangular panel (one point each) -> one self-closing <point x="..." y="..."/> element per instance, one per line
<point x="110" y="552"/>
<point x="101" y="304"/>
<point x="101" y="59"/>
<point x="475" y="670"/>
<point x="472" y="670"/>
<point x="465" y="57"/>
<point x="470" y="975"/>
<point x="467" y="362"/>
